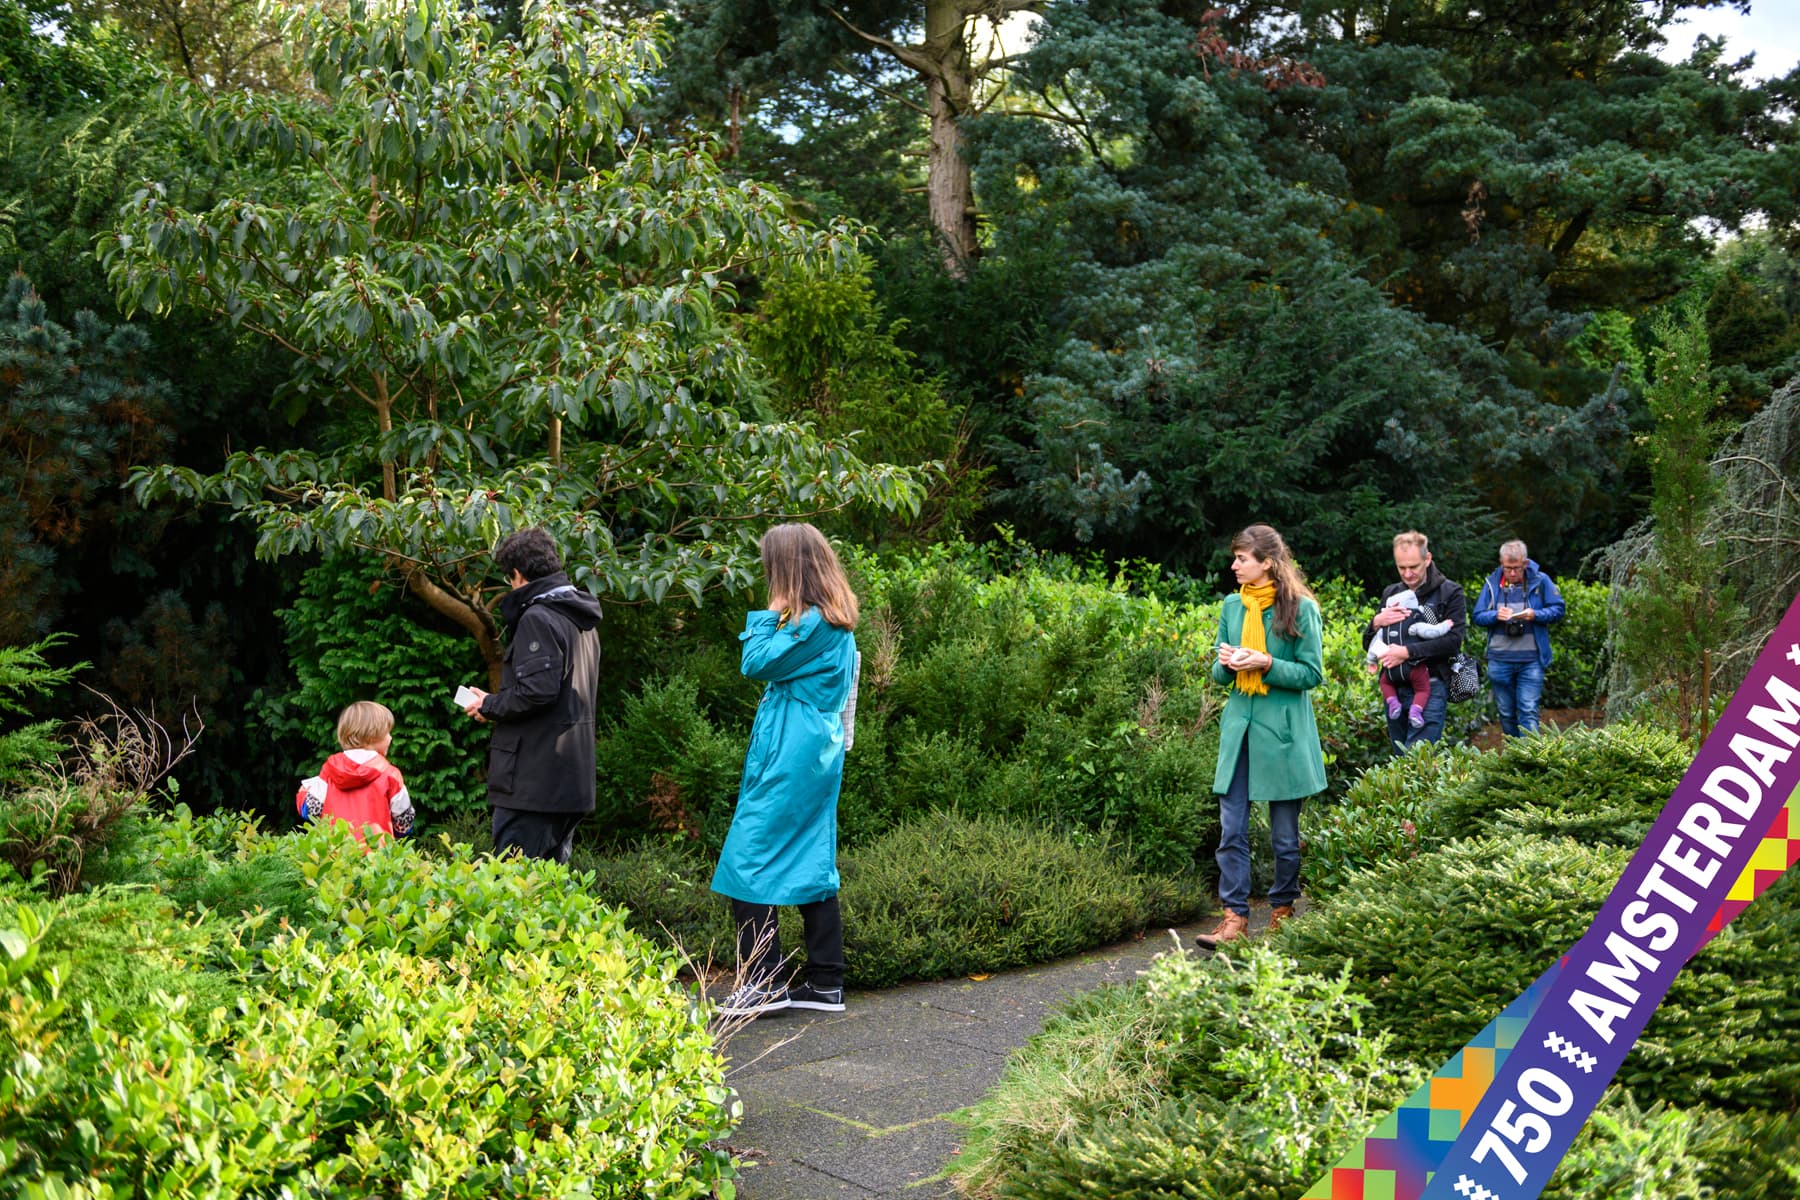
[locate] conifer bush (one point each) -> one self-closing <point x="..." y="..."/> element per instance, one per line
<point x="666" y="767"/>
<point x="355" y="634"/>
<point x="944" y="894"/>
<point x="1653" y="1153"/>
<point x="1236" y="1075"/>
<point x="1442" y="942"/>
<point x="661" y="885"/>
<point x="1599" y="786"/>
<point x="1381" y="816"/>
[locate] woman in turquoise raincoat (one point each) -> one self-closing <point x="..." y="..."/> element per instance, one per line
<point x="782" y="846"/>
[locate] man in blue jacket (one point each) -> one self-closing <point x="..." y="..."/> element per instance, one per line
<point x="1517" y="606"/>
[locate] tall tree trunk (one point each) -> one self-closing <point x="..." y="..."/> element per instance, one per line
<point x="942" y="61"/>
<point x="950" y="89"/>
<point x="734" y="144"/>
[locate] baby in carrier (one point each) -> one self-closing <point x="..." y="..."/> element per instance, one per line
<point x="1425" y="625"/>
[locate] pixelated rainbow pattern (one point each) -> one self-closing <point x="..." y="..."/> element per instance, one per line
<point x="1396" y="1160"/>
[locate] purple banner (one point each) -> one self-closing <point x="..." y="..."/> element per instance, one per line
<point x="1616" y="975"/>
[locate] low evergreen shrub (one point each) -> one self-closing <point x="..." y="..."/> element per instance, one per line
<point x="221" y="864"/>
<point x="1175" y="819"/>
<point x="1752" y="1155"/>
<point x="661" y="885"/>
<point x="665" y="767"/>
<point x="949" y="895"/>
<point x="1178" y="1150"/>
<point x="1442" y="942"/>
<point x="1599" y="786"/>
<point x="115" y="948"/>
<point x="995" y="680"/>
<point x="1658" y="1153"/>
<point x="26" y="679"/>
<point x="940" y="896"/>
<point x="1382" y="817"/>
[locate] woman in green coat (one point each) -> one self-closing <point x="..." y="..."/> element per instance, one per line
<point x="1272" y="654"/>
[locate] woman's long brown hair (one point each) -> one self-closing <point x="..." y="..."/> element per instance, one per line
<point x="804" y="570"/>
<point x="1290" y="582"/>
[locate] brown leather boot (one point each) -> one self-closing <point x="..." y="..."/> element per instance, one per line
<point x="1232" y="928"/>
<point x="1279" y="914"/>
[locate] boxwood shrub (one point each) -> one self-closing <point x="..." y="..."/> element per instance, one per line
<point x="455" y="1026"/>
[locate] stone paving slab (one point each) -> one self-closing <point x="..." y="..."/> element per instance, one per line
<point x="858" y="1103"/>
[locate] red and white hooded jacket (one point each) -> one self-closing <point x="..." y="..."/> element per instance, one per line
<point x="361" y="787"/>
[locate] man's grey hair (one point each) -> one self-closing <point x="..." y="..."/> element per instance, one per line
<point x="1513" y="549"/>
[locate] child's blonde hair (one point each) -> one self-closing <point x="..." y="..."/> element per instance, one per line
<point x="363" y="724"/>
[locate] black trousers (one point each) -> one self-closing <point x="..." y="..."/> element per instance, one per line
<point x="759" y="942"/>
<point x="541" y="835"/>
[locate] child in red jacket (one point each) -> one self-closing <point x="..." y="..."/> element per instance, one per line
<point x="359" y="785"/>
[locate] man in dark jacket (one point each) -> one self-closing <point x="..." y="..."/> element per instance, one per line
<point x="1412" y="559"/>
<point x="541" y="761"/>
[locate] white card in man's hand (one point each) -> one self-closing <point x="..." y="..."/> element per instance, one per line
<point x="465" y="695"/>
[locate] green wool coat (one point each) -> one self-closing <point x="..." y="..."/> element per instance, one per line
<point x="1285" y="760"/>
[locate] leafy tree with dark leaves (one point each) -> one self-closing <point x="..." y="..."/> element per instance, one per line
<point x="524" y="308"/>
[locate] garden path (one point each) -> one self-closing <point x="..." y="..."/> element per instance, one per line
<point x="860" y="1103"/>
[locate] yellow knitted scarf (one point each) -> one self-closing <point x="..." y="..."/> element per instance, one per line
<point x="1256" y="598"/>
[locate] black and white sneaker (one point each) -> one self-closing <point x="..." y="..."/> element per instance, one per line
<point x="753" y="1000"/>
<point x="805" y="995"/>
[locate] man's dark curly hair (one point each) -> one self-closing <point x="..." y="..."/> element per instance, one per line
<point x="530" y="552"/>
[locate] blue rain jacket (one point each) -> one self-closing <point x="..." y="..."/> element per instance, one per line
<point x="782" y="846"/>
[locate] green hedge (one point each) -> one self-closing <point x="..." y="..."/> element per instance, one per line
<point x="995" y="680"/>
<point x="949" y="895"/>
<point x="454" y="1026"/>
<point x="355" y="634"/>
<point x="1384" y="817"/>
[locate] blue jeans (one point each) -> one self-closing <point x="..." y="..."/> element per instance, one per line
<point x="1518" y="686"/>
<point x="1401" y="733"/>
<point x="1234" y="843"/>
